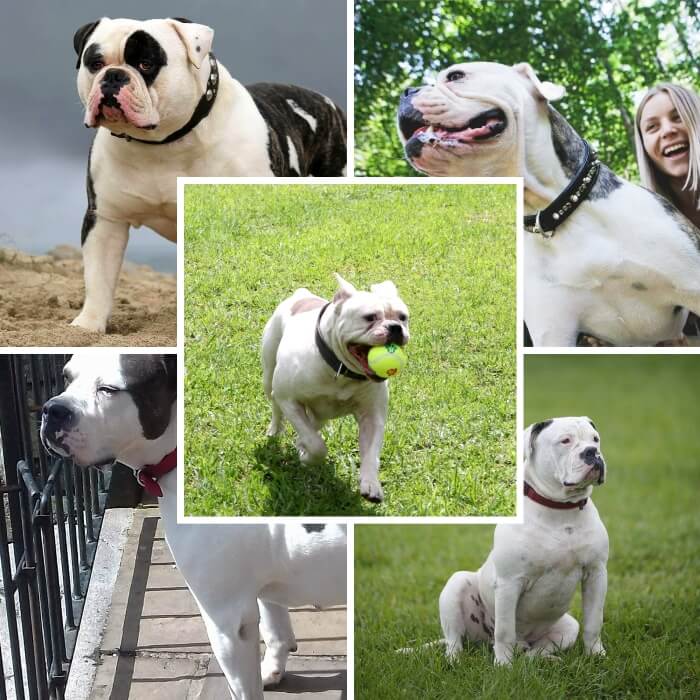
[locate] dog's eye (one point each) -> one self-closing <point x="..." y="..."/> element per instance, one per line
<point x="108" y="390"/>
<point x="566" y="441"/>
<point x="596" y="438"/>
<point x="145" y="66"/>
<point x="455" y="75"/>
<point x="97" y="65"/>
<point x="403" y="318"/>
<point x="370" y="317"/>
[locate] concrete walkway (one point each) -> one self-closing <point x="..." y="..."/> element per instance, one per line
<point x="155" y="645"/>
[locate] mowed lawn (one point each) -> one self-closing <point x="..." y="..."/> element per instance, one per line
<point x="450" y="438"/>
<point x="646" y="411"/>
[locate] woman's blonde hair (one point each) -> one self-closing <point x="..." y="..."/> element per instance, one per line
<point x="687" y="104"/>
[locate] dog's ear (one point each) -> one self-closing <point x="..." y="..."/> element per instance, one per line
<point x="591" y="422"/>
<point x="81" y="36"/>
<point x="345" y="290"/>
<point x="531" y="437"/>
<point x="197" y="39"/>
<point x="545" y="90"/>
<point x="170" y="362"/>
<point x="384" y="289"/>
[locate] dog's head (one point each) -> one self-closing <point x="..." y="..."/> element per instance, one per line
<point x="114" y="407"/>
<point x="563" y="460"/>
<point x="362" y="320"/>
<point x="142" y="77"/>
<point x="474" y="120"/>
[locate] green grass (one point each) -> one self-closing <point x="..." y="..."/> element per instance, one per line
<point x="450" y="437"/>
<point x="646" y="411"/>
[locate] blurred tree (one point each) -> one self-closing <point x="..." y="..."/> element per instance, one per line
<point x="605" y="52"/>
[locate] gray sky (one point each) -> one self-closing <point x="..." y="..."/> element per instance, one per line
<point x="43" y="143"/>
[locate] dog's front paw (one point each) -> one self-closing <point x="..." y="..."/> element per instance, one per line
<point x="595" y="649"/>
<point x="372" y="490"/>
<point x="271" y="672"/>
<point x="312" y="456"/>
<point x="90" y="323"/>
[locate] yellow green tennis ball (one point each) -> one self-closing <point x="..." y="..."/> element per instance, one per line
<point x="386" y="360"/>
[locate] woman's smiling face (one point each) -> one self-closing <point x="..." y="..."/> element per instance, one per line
<point x="665" y="137"/>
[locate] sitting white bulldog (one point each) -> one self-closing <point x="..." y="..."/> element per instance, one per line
<point x="315" y="368"/>
<point x="522" y="594"/>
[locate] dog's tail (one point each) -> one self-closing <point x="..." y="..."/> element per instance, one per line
<point x="412" y="650"/>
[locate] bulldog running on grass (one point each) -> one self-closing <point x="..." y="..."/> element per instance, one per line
<point x="315" y="368"/>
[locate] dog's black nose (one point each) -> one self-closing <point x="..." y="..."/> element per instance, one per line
<point x="57" y="412"/>
<point x="589" y="455"/>
<point x="114" y="79"/>
<point x="395" y="333"/>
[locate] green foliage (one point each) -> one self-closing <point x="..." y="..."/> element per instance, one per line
<point x="602" y="52"/>
<point x="646" y="410"/>
<point x="449" y="446"/>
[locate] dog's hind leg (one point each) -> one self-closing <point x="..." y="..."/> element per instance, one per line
<point x="561" y="635"/>
<point x="462" y="613"/>
<point x="276" y="628"/>
<point x="235" y="641"/>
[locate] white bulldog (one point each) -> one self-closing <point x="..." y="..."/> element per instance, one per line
<point x="521" y="596"/>
<point x="163" y="106"/>
<point x="122" y="408"/>
<point x="616" y="261"/>
<point x="314" y="356"/>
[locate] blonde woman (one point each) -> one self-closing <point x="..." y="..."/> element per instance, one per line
<point x="668" y="146"/>
<point x="667" y="138"/>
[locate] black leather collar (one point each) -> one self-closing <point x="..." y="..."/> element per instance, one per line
<point x="546" y="220"/>
<point x="201" y="110"/>
<point x="332" y="360"/>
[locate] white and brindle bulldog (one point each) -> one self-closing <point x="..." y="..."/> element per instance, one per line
<point x="315" y="368"/>
<point x="122" y="408"/>
<point x="163" y="106"/>
<point x="603" y="257"/>
<point x="520" y="597"/>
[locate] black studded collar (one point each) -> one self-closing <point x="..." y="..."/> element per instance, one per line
<point x="545" y="221"/>
<point x="201" y="110"/>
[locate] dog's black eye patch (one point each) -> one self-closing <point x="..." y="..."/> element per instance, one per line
<point x="142" y="49"/>
<point x="93" y="59"/>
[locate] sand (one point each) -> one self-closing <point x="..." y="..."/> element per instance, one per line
<point x="41" y="295"/>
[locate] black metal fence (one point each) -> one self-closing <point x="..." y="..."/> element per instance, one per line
<point x="50" y="517"/>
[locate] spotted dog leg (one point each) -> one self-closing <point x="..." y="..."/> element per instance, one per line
<point x="462" y="613"/>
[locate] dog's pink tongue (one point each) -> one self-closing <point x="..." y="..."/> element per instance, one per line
<point x="471" y="134"/>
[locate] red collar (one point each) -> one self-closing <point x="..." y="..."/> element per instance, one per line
<point x="148" y="475"/>
<point x="558" y="505"/>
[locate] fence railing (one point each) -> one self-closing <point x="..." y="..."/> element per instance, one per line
<point x="50" y="517"/>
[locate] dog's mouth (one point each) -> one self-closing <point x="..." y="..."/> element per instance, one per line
<point x="676" y="150"/>
<point x="595" y="475"/>
<point x="484" y="126"/>
<point x="360" y="353"/>
<point x="110" y="110"/>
